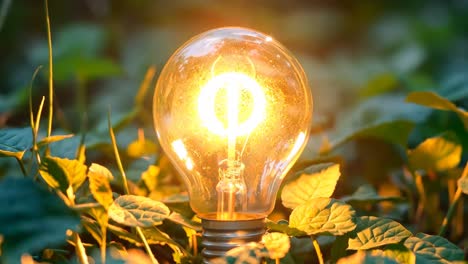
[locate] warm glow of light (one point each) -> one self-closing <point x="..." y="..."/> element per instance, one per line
<point x="189" y="164"/>
<point x="297" y="145"/>
<point x="234" y="83"/>
<point x="232" y="110"/>
<point x="179" y="148"/>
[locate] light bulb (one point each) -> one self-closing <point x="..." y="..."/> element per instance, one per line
<point x="232" y="111"/>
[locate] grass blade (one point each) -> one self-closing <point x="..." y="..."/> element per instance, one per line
<point x="51" y="83"/>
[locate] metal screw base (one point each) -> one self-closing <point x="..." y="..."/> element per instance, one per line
<point x="221" y="236"/>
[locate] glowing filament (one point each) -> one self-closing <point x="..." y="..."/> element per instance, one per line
<point x="234" y="83"/>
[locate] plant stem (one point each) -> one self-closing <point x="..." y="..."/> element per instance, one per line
<point x="317" y="249"/>
<point x="86" y="206"/>
<point x="147" y="247"/>
<point x="79" y="247"/>
<point x="125" y="184"/>
<point x="421" y="192"/>
<point x="20" y="162"/>
<point x="195" y="244"/>
<point x="51" y="85"/>
<point x="31" y="114"/>
<point x="64" y="198"/>
<point x="452" y="207"/>
<point x="103" y="244"/>
<point x="116" y="153"/>
<point x="277" y="261"/>
<point x="80" y="250"/>
<point x="36" y="131"/>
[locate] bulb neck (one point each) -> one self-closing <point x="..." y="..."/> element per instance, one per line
<point x="220" y="236"/>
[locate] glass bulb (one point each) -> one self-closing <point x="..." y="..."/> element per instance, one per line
<point x="232" y="110"/>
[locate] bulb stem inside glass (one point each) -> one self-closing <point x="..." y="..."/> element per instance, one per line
<point x="231" y="188"/>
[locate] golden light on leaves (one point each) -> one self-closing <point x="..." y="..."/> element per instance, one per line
<point x="277" y="244"/>
<point x="323" y="216"/>
<point x="372" y="232"/>
<point x="99" y="184"/>
<point x="436" y="154"/>
<point x="314" y="182"/>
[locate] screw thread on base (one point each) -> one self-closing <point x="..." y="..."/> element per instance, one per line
<point x="221" y="236"/>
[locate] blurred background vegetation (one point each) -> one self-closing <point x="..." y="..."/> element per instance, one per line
<point x="362" y="58"/>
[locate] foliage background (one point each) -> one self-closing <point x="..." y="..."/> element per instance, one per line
<point x="362" y="59"/>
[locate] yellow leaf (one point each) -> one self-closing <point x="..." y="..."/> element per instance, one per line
<point x="436" y="154"/>
<point x="277" y="244"/>
<point x="316" y="181"/>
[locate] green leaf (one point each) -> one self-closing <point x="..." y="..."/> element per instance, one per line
<point x="31" y="218"/>
<point x="277" y="244"/>
<point x="433" y="100"/>
<point x="455" y="86"/>
<point x="387" y="118"/>
<point x="393" y="132"/>
<point x="100" y="215"/>
<point x="181" y="220"/>
<point x="77" y="49"/>
<point x="372" y="232"/>
<point x="177" y="202"/>
<point x="366" y="193"/>
<point x="283" y="227"/>
<point x="323" y="216"/>
<point x="47" y="140"/>
<point x="131" y="210"/>
<point x="65" y="148"/>
<point x="436" y="154"/>
<point x="155" y="236"/>
<point x="433" y="249"/>
<point x="463" y="184"/>
<point x="85" y="68"/>
<point x="53" y="174"/>
<point x="316" y="181"/>
<point x="99" y="177"/>
<point x="125" y="235"/>
<point x="14" y="142"/>
<point x="61" y="173"/>
<point x="85" y="40"/>
<point x="397" y="252"/>
<point x="363" y="257"/>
